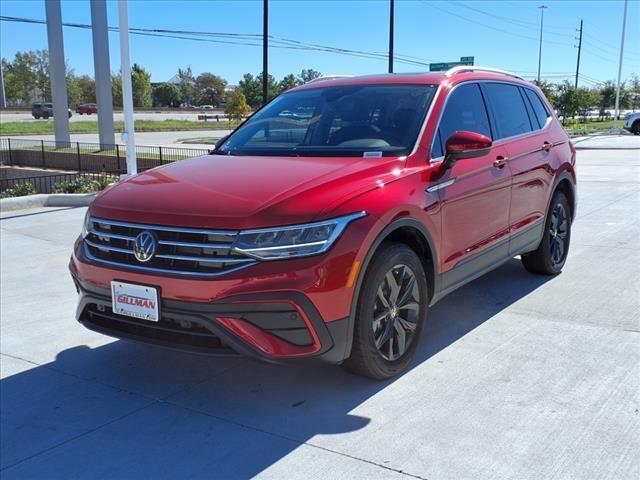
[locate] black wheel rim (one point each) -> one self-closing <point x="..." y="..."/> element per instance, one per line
<point x="395" y="312"/>
<point x="558" y="233"/>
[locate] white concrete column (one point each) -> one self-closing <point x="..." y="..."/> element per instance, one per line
<point x="57" y="72"/>
<point x="102" y="69"/>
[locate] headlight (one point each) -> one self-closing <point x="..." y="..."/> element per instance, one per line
<point x="86" y="224"/>
<point x="294" y="241"/>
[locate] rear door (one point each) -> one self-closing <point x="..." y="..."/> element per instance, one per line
<point x="521" y="126"/>
<point x="474" y="193"/>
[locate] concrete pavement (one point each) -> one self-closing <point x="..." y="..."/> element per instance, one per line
<point x="623" y="141"/>
<point x="517" y="376"/>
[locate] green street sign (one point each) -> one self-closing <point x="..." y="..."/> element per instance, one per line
<point x="440" y="67"/>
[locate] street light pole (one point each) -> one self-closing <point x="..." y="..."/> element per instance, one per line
<point x="542" y="8"/>
<point x="617" y="110"/>
<point x="391" y="14"/>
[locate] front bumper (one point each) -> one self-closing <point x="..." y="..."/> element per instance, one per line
<point x="250" y="311"/>
<point x="272" y="327"/>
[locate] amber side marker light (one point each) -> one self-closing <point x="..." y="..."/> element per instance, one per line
<point x="355" y="268"/>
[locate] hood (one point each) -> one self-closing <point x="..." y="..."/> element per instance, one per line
<point x="235" y="192"/>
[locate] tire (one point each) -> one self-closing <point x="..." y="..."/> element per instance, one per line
<point x="45" y="116"/>
<point x="635" y="128"/>
<point x="37" y="117"/>
<point x="551" y="254"/>
<point x="394" y="279"/>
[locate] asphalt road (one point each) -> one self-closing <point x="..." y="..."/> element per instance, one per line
<point x="517" y="376"/>
<point x="192" y="115"/>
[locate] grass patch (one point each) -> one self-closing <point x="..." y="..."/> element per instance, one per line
<point x="39" y="127"/>
<point x="576" y="125"/>
<point x="199" y="140"/>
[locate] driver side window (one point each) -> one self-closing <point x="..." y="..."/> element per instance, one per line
<point x="464" y="110"/>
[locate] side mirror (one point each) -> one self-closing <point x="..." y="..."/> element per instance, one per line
<point x="220" y="142"/>
<point x="464" y="144"/>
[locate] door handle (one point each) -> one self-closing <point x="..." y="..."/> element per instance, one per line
<point x="499" y="162"/>
<point x="546" y="146"/>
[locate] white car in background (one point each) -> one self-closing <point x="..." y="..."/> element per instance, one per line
<point x="632" y="123"/>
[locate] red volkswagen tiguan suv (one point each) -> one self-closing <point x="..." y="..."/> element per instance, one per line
<point x="329" y="222"/>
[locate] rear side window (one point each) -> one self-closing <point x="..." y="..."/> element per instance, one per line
<point x="538" y="107"/>
<point x="508" y="109"/>
<point x="464" y="110"/>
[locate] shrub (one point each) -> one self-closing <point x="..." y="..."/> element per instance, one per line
<point x="84" y="184"/>
<point x="19" y="190"/>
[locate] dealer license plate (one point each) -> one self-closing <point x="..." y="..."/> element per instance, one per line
<point x="138" y="301"/>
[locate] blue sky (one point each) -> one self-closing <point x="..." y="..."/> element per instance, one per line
<point x="502" y="34"/>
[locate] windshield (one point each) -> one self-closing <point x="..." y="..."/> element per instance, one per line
<point x="360" y="120"/>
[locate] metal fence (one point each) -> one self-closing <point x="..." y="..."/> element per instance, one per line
<point x="47" y="183"/>
<point x="87" y="157"/>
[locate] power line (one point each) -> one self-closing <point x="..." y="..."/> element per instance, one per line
<point x="491" y="27"/>
<point x="243" y="39"/>
<point x="518" y="23"/>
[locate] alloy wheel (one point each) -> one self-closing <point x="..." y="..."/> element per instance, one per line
<point x="558" y="231"/>
<point x="395" y="312"/>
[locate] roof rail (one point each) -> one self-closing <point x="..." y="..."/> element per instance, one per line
<point x="329" y="77"/>
<point x="473" y="68"/>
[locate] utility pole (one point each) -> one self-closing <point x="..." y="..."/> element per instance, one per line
<point x="617" y="111"/>
<point x="542" y="8"/>
<point x="579" y="49"/>
<point x="265" y="52"/>
<point x="127" y="92"/>
<point x="391" y="13"/>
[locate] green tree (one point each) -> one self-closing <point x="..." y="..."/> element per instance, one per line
<point x="251" y="89"/>
<point x="210" y="89"/>
<point x="273" y="88"/>
<point x="567" y="101"/>
<point x="634" y="92"/>
<point x="116" y="89"/>
<point x="549" y="90"/>
<point x="607" y="97"/>
<point x="187" y="85"/>
<point x="87" y="86"/>
<point x="22" y="78"/>
<point x="141" y="86"/>
<point x="19" y="82"/>
<point x="237" y="106"/>
<point x="288" y="82"/>
<point x="308" y="74"/>
<point x="74" y="92"/>
<point x="167" y="95"/>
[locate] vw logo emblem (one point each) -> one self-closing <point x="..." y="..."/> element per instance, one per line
<point x="144" y="246"/>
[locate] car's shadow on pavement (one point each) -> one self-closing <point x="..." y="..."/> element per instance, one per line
<point x="126" y="410"/>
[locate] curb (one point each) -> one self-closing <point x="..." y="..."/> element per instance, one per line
<point x="47" y="200"/>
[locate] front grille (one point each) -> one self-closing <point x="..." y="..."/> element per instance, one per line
<point x="180" y="251"/>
